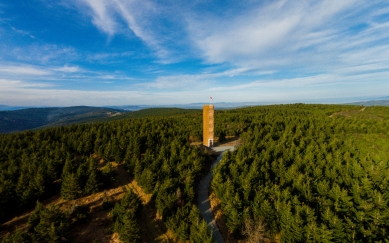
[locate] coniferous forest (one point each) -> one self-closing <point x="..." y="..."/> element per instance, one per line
<point x="155" y="151"/>
<point x="309" y="174"/>
<point x="303" y="173"/>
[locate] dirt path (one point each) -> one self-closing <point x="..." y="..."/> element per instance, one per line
<point x="203" y="197"/>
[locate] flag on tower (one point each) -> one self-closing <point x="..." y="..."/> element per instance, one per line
<point x="211" y="98"/>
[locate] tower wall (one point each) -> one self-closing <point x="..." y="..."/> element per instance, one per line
<point x="208" y="125"/>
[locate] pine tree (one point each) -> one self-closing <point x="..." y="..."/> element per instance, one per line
<point x="92" y="184"/>
<point x="200" y="233"/>
<point x="19" y="236"/>
<point x="35" y="216"/>
<point x="131" y="202"/>
<point x="53" y="224"/>
<point x="147" y="180"/>
<point x="70" y="188"/>
<point x="129" y="231"/>
<point x="68" y="168"/>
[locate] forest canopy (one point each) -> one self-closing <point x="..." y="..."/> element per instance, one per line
<point x="156" y="151"/>
<point x="310" y="174"/>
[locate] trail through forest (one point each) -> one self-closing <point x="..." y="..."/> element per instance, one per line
<point x="203" y="199"/>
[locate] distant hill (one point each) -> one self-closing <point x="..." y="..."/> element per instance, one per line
<point x="12" y="108"/>
<point x="372" y="103"/>
<point x="218" y="106"/>
<point x="25" y="119"/>
<point x="152" y="112"/>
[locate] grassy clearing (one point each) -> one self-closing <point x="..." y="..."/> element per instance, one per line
<point x="373" y="112"/>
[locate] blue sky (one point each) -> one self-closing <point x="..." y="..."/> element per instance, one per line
<point x="130" y="52"/>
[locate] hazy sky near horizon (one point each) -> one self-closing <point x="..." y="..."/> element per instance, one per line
<point x="128" y="52"/>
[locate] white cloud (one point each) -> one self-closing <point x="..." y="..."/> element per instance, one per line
<point x="180" y="82"/>
<point x="24" y="70"/>
<point x="22" y="32"/>
<point x="68" y="69"/>
<point x="200" y="81"/>
<point x="42" y="54"/>
<point x="145" y="19"/>
<point x="9" y="85"/>
<point x="16" y="92"/>
<point x="102" y="15"/>
<point x="267" y="35"/>
<point x="64" y="76"/>
<point x="108" y="57"/>
<point x="323" y="83"/>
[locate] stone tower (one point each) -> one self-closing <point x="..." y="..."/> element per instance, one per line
<point x="208" y="125"/>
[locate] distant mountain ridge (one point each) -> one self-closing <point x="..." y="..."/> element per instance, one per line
<point x="35" y="118"/>
<point x="12" y="108"/>
<point x="382" y="100"/>
<point x="31" y="118"/>
<point x="218" y="105"/>
<point x="372" y="103"/>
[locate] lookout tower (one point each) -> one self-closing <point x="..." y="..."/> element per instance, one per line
<point x="208" y="125"/>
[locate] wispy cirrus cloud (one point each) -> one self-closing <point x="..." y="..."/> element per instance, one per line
<point x="19" y="92"/>
<point x="269" y="35"/>
<point x="200" y="81"/>
<point x="9" y="85"/>
<point x="134" y="18"/>
<point x="146" y="20"/>
<point x="39" y="53"/>
<point x="22" y="32"/>
<point x="24" y="70"/>
<point x="181" y="82"/>
<point x="68" y="69"/>
<point x="319" y="36"/>
<point x="34" y="71"/>
<point x="324" y="85"/>
<point x="62" y="77"/>
<point x="102" y="15"/>
<point x="277" y="30"/>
